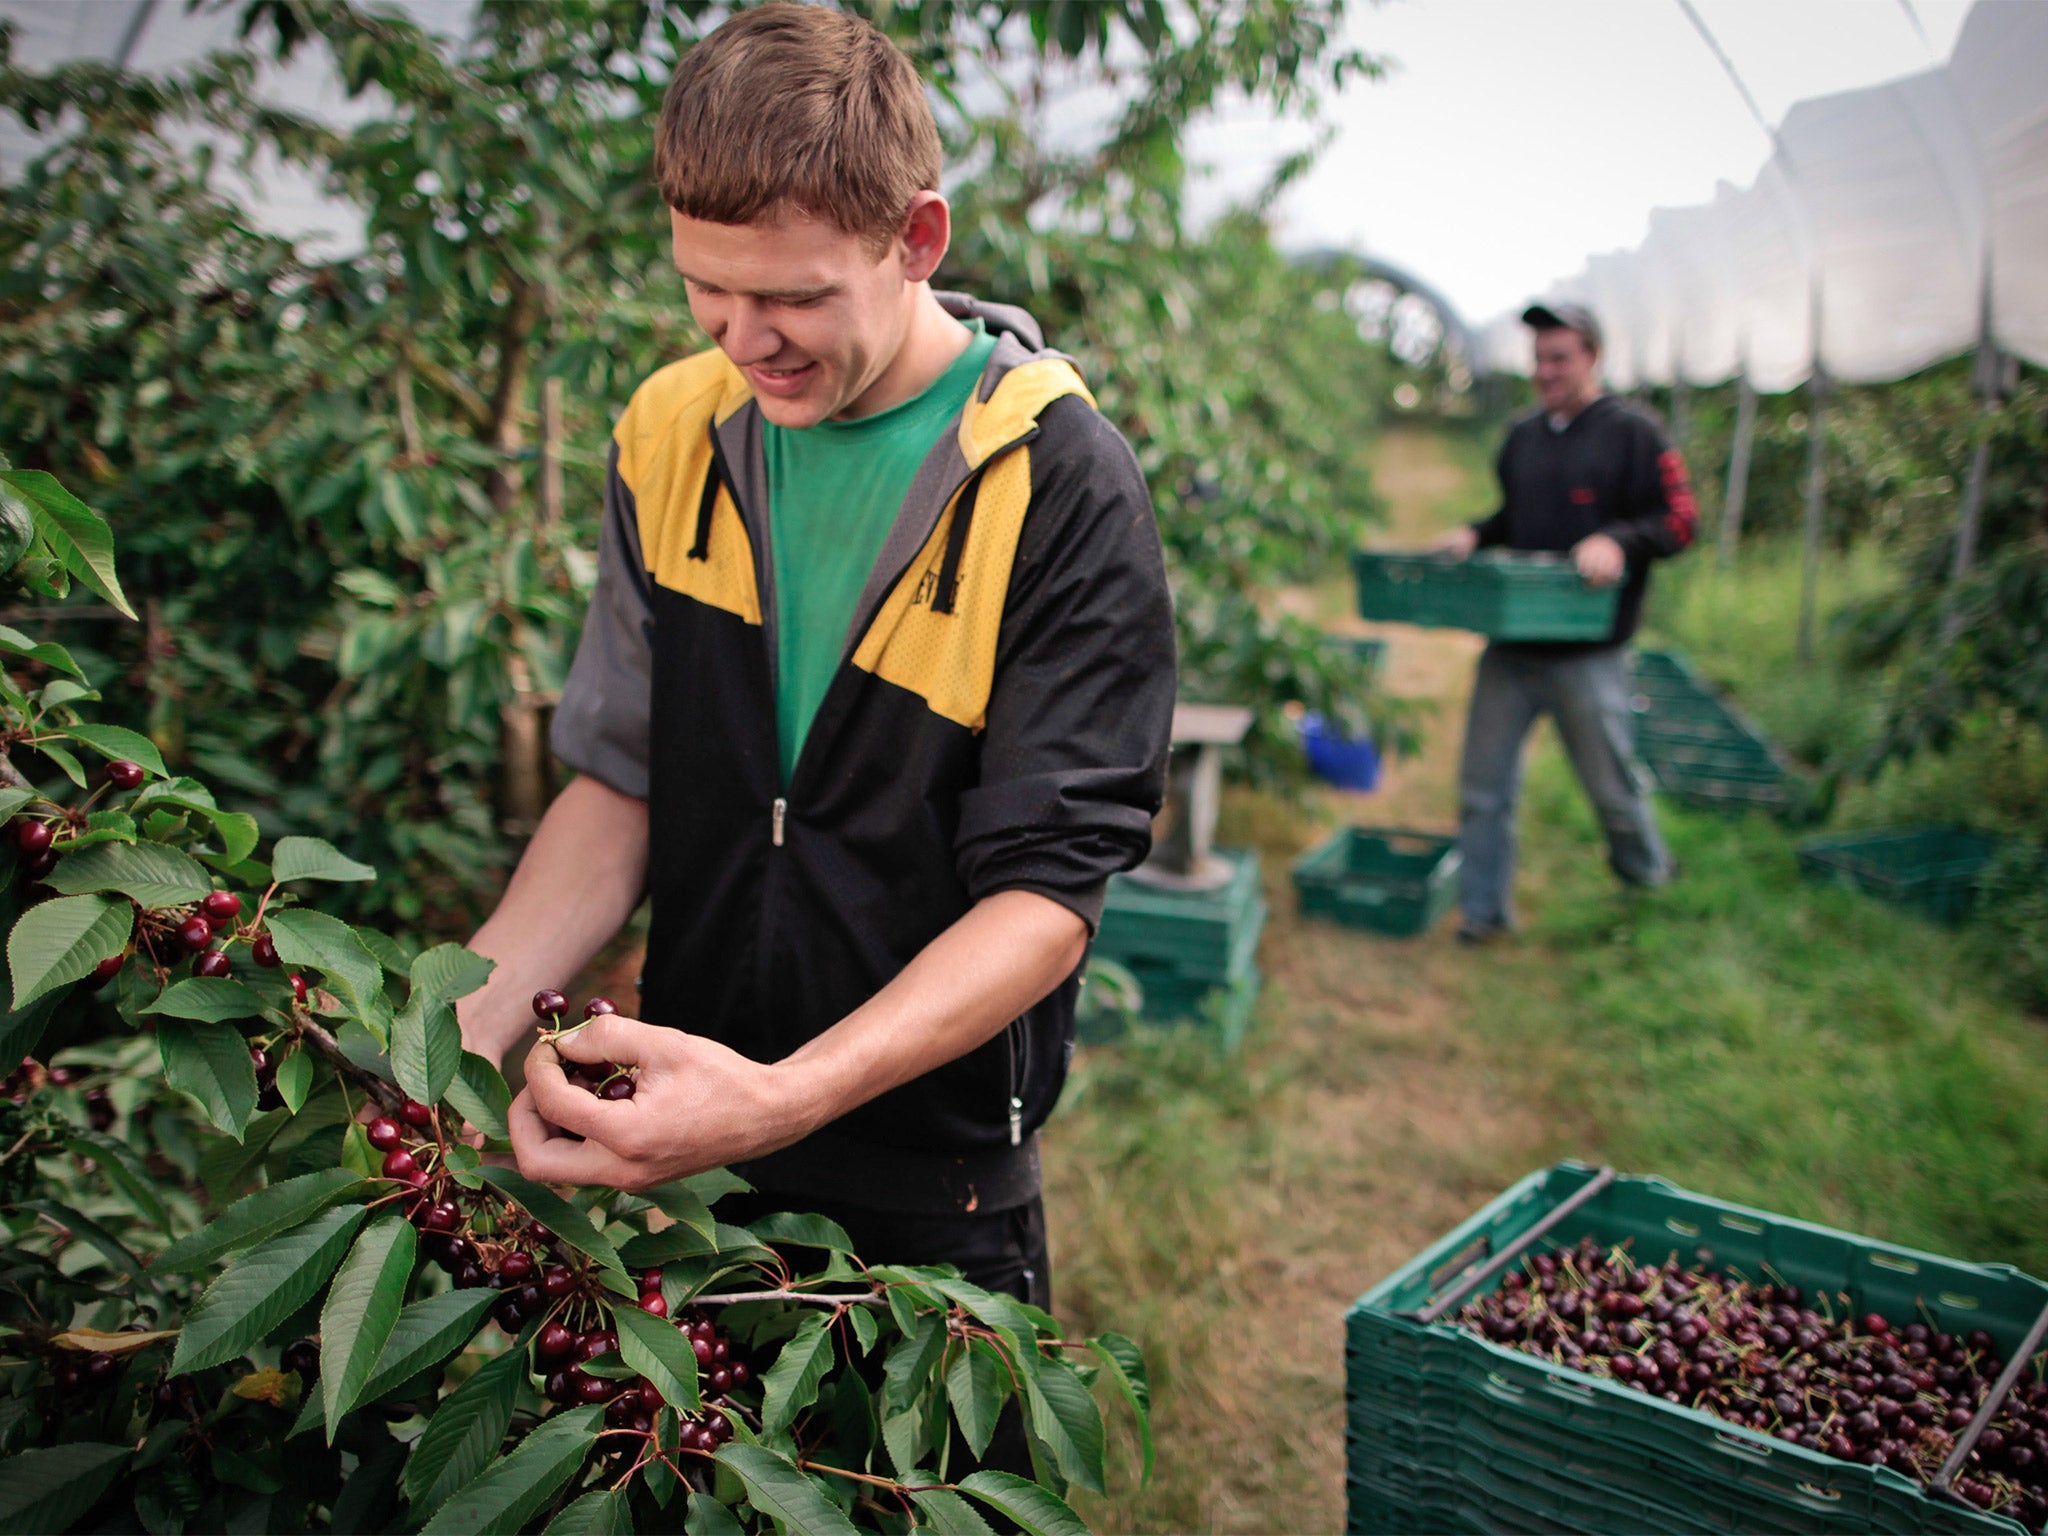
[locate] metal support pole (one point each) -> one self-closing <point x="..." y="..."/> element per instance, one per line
<point x="1990" y="373"/>
<point x="1681" y="414"/>
<point x="1738" y="469"/>
<point x="1816" y="500"/>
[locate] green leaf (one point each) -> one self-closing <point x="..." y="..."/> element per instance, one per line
<point x="708" y="1517"/>
<point x="600" y="1512"/>
<point x="653" y="1249"/>
<point x="111" y="1248"/>
<point x="978" y="1384"/>
<point x="865" y="1329"/>
<point x="101" y="827"/>
<point x="76" y="534"/>
<point x="312" y="858"/>
<point x="262" y="1288"/>
<point x="48" y="653"/>
<point x="1124" y="1363"/>
<point x="294" y="1079"/>
<point x="12" y="800"/>
<point x="69" y="765"/>
<point x="791" y="1384"/>
<point x="209" y="999"/>
<point x="478" y="1094"/>
<point x="117" y="741"/>
<point x="555" y="1213"/>
<point x="1065" y="1419"/>
<point x="714" y="1184"/>
<point x="211" y="1063"/>
<point x="950" y="1515"/>
<point x="330" y="946"/>
<point x="911" y="1362"/>
<point x="49" y="1488"/>
<point x="681" y="1204"/>
<point x="777" y="1489"/>
<point x="426" y="1041"/>
<point x="255" y="1217"/>
<point x="362" y="1308"/>
<point x="802" y="1230"/>
<point x="449" y="971"/>
<point x="119" y="1162"/>
<point x="62" y="940"/>
<point x="427" y="1332"/>
<point x="655" y="1348"/>
<point x="154" y="875"/>
<point x="510" y="1492"/>
<point x="463" y="1436"/>
<point x="1035" y="1510"/>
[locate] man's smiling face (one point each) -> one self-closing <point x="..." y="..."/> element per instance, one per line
<point x="812" y="315"/>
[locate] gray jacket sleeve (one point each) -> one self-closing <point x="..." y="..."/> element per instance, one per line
<point x="601" y="724"/>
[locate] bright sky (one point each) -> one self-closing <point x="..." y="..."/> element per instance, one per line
<point x="1513" y="137"/>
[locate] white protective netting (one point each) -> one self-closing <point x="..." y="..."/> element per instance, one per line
<point x="1884" y="230"/>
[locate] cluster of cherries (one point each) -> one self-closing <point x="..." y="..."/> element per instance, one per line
<point x="606" y="1079"/>
<point x="561" y="1352"/>
<point x="33" y="838"/>
<point x="1761" y="1357"/>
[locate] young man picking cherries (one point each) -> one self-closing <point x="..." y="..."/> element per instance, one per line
<point x="873" y="697"/>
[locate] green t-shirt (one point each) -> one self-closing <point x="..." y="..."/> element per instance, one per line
<point x="833" y="493"/>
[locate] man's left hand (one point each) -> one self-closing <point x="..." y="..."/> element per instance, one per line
<point x="695" y="1105"/>
<point x="1599" y="560"/>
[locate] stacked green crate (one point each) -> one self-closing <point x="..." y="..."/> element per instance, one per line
<point x="1506" y="595"/>
<point x="1446" y="1430"/>
<point x="1385" y="879"/>
<point x="1194" y="952"/>
<point x="1932" y="870"/>
<point x="1702" y="750"/>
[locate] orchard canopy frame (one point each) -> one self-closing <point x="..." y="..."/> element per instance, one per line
<point x="1892" y="228"/>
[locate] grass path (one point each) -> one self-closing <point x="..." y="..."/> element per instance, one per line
<point x="1364" y="1119"/>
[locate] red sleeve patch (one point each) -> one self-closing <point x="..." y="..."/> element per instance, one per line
<point x="1683" y="515"/>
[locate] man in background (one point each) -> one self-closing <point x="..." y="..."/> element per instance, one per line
<point x="1591" y="476"/>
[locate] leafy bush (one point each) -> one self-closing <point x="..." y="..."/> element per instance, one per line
<point x="260" y="1130"/>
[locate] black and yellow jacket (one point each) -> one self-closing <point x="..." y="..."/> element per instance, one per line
<point x="999" y="722"/>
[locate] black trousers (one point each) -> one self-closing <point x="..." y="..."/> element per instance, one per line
<point x="1002" y="1251"/>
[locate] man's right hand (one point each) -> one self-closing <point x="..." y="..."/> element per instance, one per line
<point x="1458" y="544"/>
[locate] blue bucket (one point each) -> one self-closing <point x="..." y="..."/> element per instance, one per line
<point x="1347" y="762"/>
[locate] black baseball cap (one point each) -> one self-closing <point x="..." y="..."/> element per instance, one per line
<point x="1564" y="317"/>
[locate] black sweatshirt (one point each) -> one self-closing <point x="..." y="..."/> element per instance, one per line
<point x="1612" y="471"/>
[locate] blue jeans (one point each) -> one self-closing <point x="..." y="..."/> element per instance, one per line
<point x="1587" y="694"/>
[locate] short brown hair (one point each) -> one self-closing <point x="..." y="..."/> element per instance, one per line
<point x="796" y="104"/>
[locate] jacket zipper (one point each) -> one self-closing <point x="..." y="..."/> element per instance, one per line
<point x="775" y="820"/>
<point x="1020" y="1059"/>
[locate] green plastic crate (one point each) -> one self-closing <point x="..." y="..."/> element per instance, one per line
<point x="1385" y="879"/>
<point x="1193" y="934"/>
<point x="1438" y="1408"/>
<point x="1932" y="870"/>
<point x="1369" y="649"/>
<point x="1504" y="595"/>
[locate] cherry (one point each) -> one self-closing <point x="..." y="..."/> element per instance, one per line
<point x="33" y="836"/>
<point x="650" y="1279"/>
<point x="721" y="1378"/>
<point x="302" y="1356"/>
<point x="263" y="950"/>
<point x="590" y="1346"/>
<point x="69" y="1376"/>
<point x="548" y="1003"/>
<point x="508" y="1313"/>
<point x="740" y="1374"/>
<point x="598" y="1005"/>
<point x="221" y="907"/>
<point x="298" y="987"/>
<point x="214" y="964"/>
<point x="107" y="970"/>
<point x="442" y="1216"/>
<point x="469" y="1275"/>
<point x="384" y="1134"/>
<point x="414" y="1113"/>
<point x="400" y="1164"/>
<point x="618" y="1088"/>
<point x="259" y="1058"/>
<point x="557" y="1280"/>
<point x="124" y="774"/>
<point x="643" y="1422"/>
<point x="557" y="1389"/>
<point x="195" y="933"/>
<point x="1876" y="1325"/>
<point x="701" y="1347"/>
<point x="595" y="1389"/>
<point x="100" y="1366"/>
<point x="654" y="1304"/>
<point x="40" y="864"/>
<point x="650" y="1396"/>
<point x="720" y="1350"/>
<point x="516" y="1267"/>
<point x="554" y="1342"/>
<point x="620" y="1411"/>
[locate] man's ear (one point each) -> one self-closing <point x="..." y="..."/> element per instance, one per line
<point x="926" y="231"/>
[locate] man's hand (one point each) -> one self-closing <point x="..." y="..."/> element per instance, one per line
<point x="695" y="1105"/>
<point x="1600" y="560"/>
<point x="1458" y="544"/>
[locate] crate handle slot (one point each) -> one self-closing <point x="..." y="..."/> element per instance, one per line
<point x="1825" y="1495"/>
<point x="1564" y="1386"/>
<point x="1993" y="1401"/>
<point x="1477" y="1275"/>
<point x="1682" y="1228"/>
<point x="1500" y="1386"/>
<point x="1893" y="1262"/>
<point x="1737" y="1445"/>
<point x="1743" y="1224"/>
<point x="1472" y="1252"/>
<point x="1966" y="1303"/>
